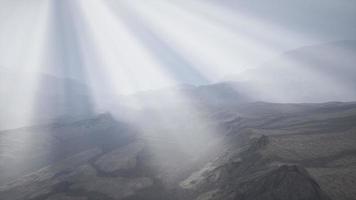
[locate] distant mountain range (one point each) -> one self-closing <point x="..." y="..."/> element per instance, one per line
<point x="310" y="74"/>
<point x="317" y="73"/>
<point x="48" y="98"/>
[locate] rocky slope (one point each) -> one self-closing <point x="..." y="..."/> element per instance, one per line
<point x="266" y="151"/>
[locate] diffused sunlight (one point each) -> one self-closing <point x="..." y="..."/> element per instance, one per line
<point x="105" y="56"/>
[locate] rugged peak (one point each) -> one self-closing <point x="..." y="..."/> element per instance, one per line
<point x="258" y="143"/>
<point x="285" y="182"/>
<point x="105" y="117"/>
<point x="100" y="119"/>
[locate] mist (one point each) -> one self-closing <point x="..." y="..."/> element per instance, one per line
<point x="134" y="99"/>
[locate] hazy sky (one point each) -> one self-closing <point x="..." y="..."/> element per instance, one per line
<point x="323" y="19"/>
<point x="120" y="47"/>
<point x="140" y="44"/>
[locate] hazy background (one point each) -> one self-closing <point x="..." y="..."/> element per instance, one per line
<point x="84" y="55"/>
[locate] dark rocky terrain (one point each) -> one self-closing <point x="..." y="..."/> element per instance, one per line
<point x="261" y="151"/>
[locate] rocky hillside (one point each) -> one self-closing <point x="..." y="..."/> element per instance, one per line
<point x="265" y="151"/>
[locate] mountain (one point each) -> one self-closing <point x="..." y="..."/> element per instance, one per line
<point x="311" y="74"/>
<point x="213" y="94"/>
<point x="28" y="99"/>
<point x="261" y="151"/>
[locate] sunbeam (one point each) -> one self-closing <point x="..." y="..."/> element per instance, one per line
<point x="125" y="61"/>
<point x="233" y="47"/>
<point x="21" y="57"/>
<point x="177" y="100"/>
<point x="130" y="66"/>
